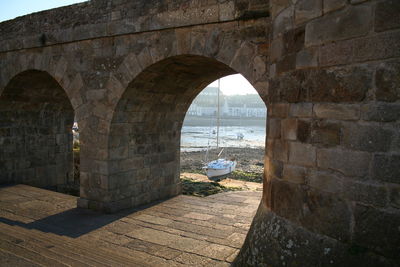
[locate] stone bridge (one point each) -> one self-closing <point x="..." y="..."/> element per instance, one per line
<point x="127" y="71"/>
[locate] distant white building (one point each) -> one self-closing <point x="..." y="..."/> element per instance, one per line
<point x="205" y="104"/>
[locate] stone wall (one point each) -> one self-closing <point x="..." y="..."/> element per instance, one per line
<point x="328" y="71"/>
<point x="331" y="189"/>
<point x="100" y="18"/>
<point x="128" y="147"/>
<point x="35" y="132"/>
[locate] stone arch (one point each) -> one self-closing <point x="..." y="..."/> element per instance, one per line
<point x="144" y="138"/>
<point x="36" y="136"/>
<point x="59" y="68"/>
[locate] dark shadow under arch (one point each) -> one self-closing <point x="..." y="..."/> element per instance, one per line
<point x="35" y="131"/>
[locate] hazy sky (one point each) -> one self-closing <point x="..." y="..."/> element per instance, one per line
<point x="9" y="9"/>
<point x="235" y="84"/>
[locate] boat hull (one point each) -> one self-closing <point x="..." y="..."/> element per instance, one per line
<point x="226" y="168"/>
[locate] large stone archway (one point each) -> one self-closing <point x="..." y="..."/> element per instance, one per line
<point x="36" y="137"/>
<point x="144" y="141"/>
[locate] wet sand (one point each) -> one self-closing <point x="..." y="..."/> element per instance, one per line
<point x="249" y="160"/>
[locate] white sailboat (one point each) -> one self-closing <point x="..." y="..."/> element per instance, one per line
<point x="220" y="166"/>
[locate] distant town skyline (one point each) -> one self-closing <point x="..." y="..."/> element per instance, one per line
<point x="230" y="85"/>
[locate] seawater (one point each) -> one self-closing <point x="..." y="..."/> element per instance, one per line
<point x="197" y="138"/>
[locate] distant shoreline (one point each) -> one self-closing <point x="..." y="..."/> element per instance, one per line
<point x="211" y="121"/>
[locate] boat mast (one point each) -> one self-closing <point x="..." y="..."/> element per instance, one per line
<point x="219" y="84"/>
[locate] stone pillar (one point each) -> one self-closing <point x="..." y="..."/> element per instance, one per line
<point x="332" y="179"/>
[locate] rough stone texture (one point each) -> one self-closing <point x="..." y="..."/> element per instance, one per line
<point x="302" y="154"/>
<point x="306" y="10"/>
<point x="306" y="59"/>
<point x="346" y="162"/>
<point x="35" y="132"/>
<point x="297" y="243"/>
<point x="367" y="137"/>
<point x="387" y="82"/>
<point x="339" y="111"/>
<point x="352" y="22"/>
<point x="386" y="15"/>
<point x="386" y="168"/>
<point x="326" y="134"/>
<point x="294" y="174"/>
<point x="381" y="112"/>
<point x="130" y="119"/>
<point x="283" y="22"/>
<point x="338" y="89"/>
<point x="302" y="110"/>
<point x="130" y="70"/>
<point x="367" y="224"/>
<point x="332" y="5"/>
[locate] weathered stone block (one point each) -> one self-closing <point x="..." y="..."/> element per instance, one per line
<point x="326" y="214"/>
<point x="280" y="150"/>
<point x="321" y="213"/>
<point x="283" y="22"/>
<point x="302" y="154"/>
<point x="294" y="174"/>
<point x="332" y="5"/>
<point x="243" y="55"/>
<point x="307" y="58"/>
<point x="301" y="110"/>
<point x="325" y="133"/>
<point x="226" y="11"/>
<point x="349" y="84"/>
<point x="351" y="22"/>
<point x="304" y="131"/>
<point x="289" y="129"/>
<point x="367" y="138"/>
<point x="387" y="15"/>
<point x="337" y="111"/>
<point x="293" y="40"/>
<point x="375" y="230"/>
<point x="277" y="49"/>
<point x="387" y="82"/>
<point x="336" y="53"/>
<point x="182" y="40"/>
<point x="118" y="152"/>
<point x="279" y="110"/>
<point x="286" y="64"/>
<point x="346" y="162"/>
<point x="289" y="87"/>
<point x="274" y="128"/>
<point x="306" y="10"/>
<point x="275" y="168"/>
<point x="286" y="199"/>
<point x="386" y="168"/>
<point x="381" y="112"/>
<point x="278" y="5"/>
<point x="385" y="45"/>
<point x="394" y="196"/>
<point x="325" y="181"/>
<point x="370" y="194"/>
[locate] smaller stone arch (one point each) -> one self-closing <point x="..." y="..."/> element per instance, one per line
<point x="35" y="131"/>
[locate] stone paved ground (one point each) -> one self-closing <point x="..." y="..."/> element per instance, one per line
<point x="39" y="227"/>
